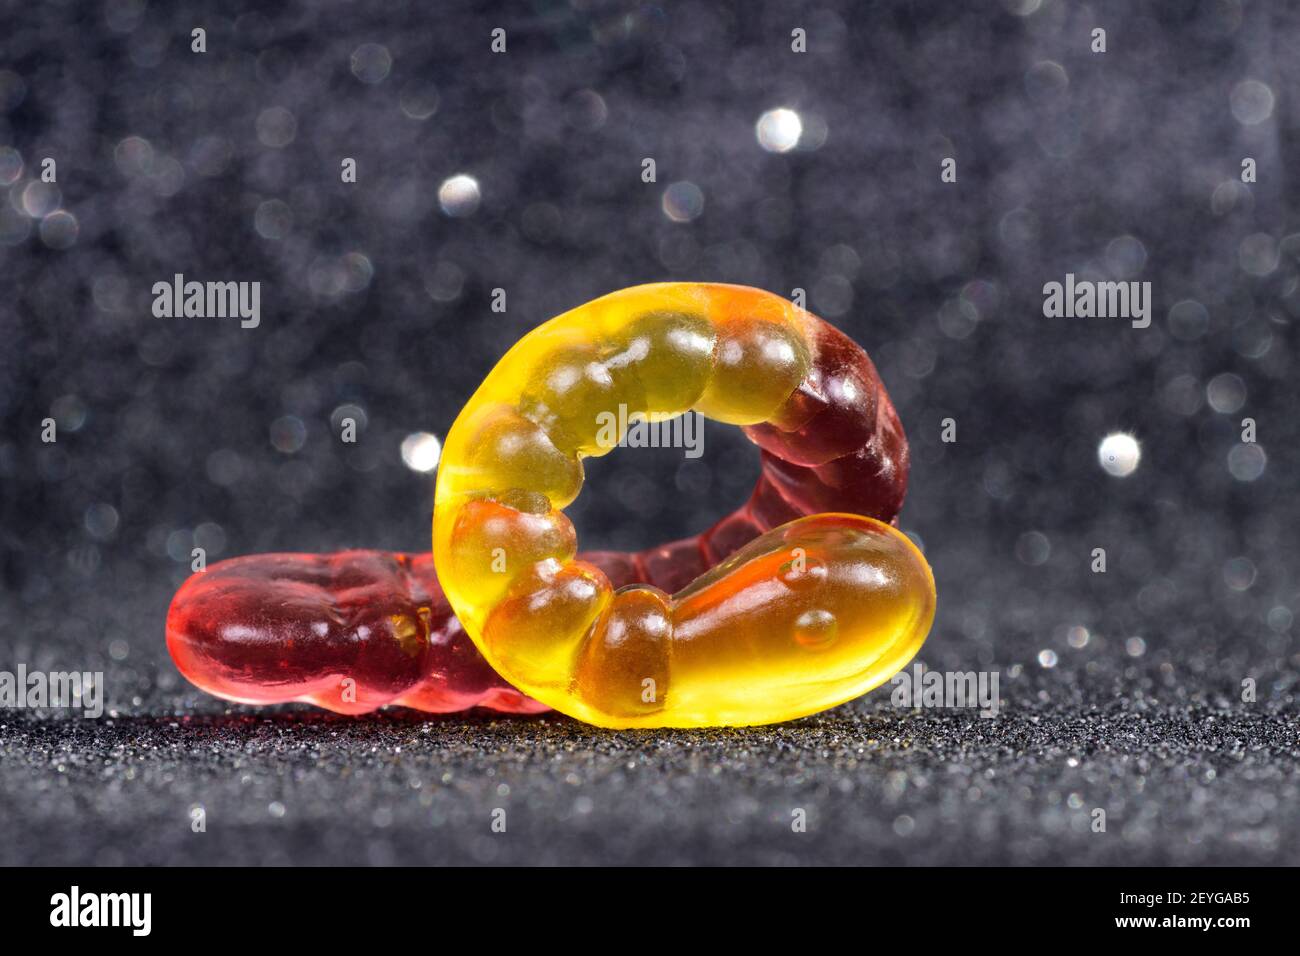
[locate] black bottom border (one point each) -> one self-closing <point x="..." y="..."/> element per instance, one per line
<point x="269" y="906"/>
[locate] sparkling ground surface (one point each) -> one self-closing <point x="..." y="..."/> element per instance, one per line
<point x="1181" y="785"/>
<point x="1122" y="691"/>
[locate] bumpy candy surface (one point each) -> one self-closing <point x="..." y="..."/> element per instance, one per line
<point x="351" y="631"/>
<point x="780" y="610"/>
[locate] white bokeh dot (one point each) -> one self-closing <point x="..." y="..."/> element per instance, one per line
<point x="459" y="195"/>
<point x="1119" y="454"/>
<point x="778" y="130"/>
<point x="1251" y="102"/>
<point x="1247" y="461"/>
<point x="421" y="451"/>
<point x="1226" y="393"/>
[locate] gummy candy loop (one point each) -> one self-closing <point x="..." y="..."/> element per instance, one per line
<point x="779" y="610"/>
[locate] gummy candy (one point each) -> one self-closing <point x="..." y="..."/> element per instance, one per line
<point x="351" y="632"/>
<point x="781" y="609"/>
<point x="792" y="621"/>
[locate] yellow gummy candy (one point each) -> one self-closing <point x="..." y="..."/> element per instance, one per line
<point x="808" y="615"/>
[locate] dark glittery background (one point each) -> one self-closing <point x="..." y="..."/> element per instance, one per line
<point x="1122" y="691"/>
